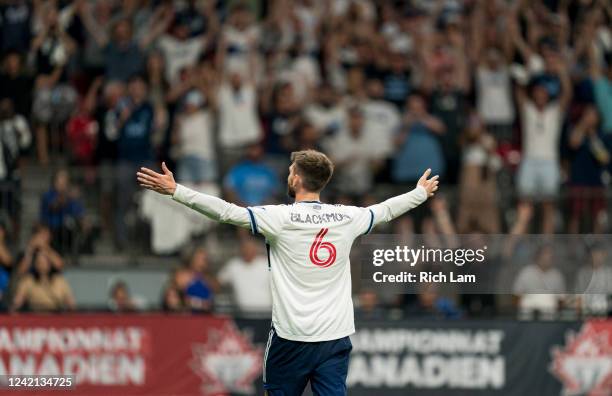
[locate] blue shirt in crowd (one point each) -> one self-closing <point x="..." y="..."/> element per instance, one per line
<point x="199" y="290"/>
<point x="585" y="170"/>
<point x="420" y="150"/>
<point x="602" y="88"/>
<point x="123" y="62"/>
<point x="396" y="88"/>
<point x="134" y="144"/>
<point x="55" y="216"/>
<point x="254" y="182"/>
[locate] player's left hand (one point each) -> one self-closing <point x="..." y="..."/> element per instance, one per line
<point x="161" y="183"/>
<point x="431" y="185"/>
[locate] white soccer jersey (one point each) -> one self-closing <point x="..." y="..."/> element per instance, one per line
<point x="308" y="250"/>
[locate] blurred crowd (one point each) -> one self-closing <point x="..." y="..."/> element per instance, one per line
<point x="510" y="101"/>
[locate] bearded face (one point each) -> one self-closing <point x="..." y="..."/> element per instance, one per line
<point x="290" y="188"/>
<point x="291" y="182"/>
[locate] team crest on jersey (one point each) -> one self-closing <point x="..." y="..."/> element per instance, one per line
<point x="227" y="362"/>
<point x="584" y="365"/>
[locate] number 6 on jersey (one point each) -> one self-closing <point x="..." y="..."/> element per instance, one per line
<point x="319" y="244"/>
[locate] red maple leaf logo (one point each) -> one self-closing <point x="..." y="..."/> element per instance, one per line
<point x="227" y="362"/>
<point x="584" y="365"/>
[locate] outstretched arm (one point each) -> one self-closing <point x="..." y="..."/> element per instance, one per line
<point x="212" y="207"/>
<point x="397" y="206"/>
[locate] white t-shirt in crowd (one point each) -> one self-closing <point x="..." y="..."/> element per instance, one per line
<point x="309" y="17"/>
<point x="539" y="290"/>
<point x="238" y="42"/>
<point x="382" y="119"/>
<point x="15" y="135"/>
<point x="179" y="54"/>
<point x="494" y="88"/>
<point x="196" y="135"/>
<point x="326" y="119"/>
<point x="595" y="285"/>
<point x="353" y="155"/>
<point x="541" y="131"/>
<point x="250" y="283"/>
<point x="238" y="121"/>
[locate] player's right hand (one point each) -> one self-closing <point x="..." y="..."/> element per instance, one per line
<point x="431" y="185"/>
<point x="161" y="183"/>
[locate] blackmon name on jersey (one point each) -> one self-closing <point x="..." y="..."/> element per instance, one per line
<point x="317" y="218"/>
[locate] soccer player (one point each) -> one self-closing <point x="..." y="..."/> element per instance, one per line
<point x="308" y="246"/>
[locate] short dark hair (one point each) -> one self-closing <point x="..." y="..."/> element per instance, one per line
<point x="119" y="285"/>
<point x="34" y="271"/>
<point x="314" y="167"/>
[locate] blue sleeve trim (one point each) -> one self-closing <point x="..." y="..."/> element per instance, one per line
<point x="371" y="222"/>
<point x="254" y="229"/>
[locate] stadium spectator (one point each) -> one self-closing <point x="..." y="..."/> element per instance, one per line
<point x="107" y="116"/>
<point x="172" y="300"/>
<point x="248" y="277"/>
<point x="306" y="137"/>
<point x="368" y="307"/>
<point x="382" y="119"/>
<point x="397" y="80"/>
<point x="490" y="51"/>
<point x="494" y="94"/>
<point x="181" y="50"/>
<point x="194" y="140"/>
<point x="44" y="288"/>
<point x="238" y="40"/>
<point x="40" y="240"/>
<point x="120" y="298"/>
<point x="195" y="282"/>
<point x="181" y="278"/>
<point x="251" y="182"/>
<point x="93" y="58"/>
<point x="538" y="177"/>
<point x="594" y="282"/>
<point x="82" y="134"/>
<point x="602" y="89"/>
<point x="430" y="304"/>
<point x="417" y="143"/>
<point x="134" y="147"/>
<point x="478" y="207"/>
<point x="539" y="286"/>
<point x="239" y="124"/>
<point x="540" y="51"/>
<point x="448" y="90"/>
<point x="122" y="52"/>
<point x="326" y="113"/>
<point x="15" y="31"/>
<point x="6" y="264"/>
<point x="590" y="156"/>
<point x="476" y="299"/>
<point x="354" y="158"/>
<point x="281" y="119"/>
<point x="15" y="84"/>
<point x="154" y="75"/>
<point x="15" y="139"/>
<point x="63" y="212"/>
<point x="54" y="100"/>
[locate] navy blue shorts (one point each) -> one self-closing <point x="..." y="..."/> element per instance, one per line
<point x="290" y="365"/>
